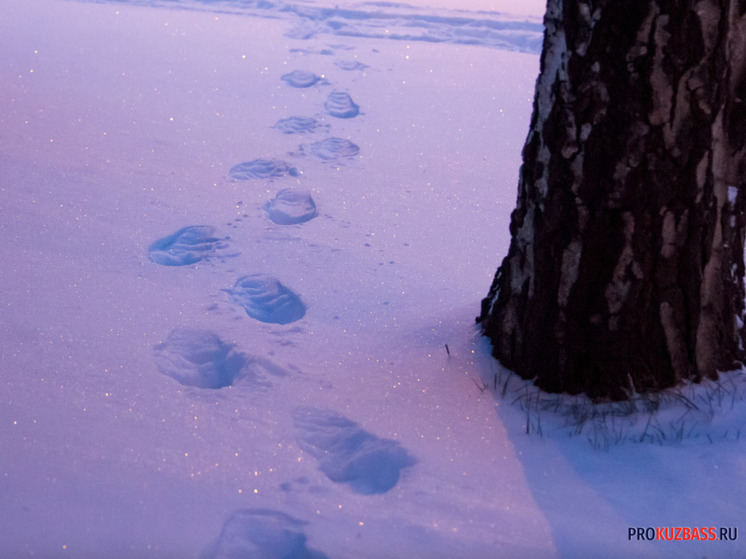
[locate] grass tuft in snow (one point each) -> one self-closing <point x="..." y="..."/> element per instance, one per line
<point x="707" y="412"/>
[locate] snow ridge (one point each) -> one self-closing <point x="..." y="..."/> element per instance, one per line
<point x="384" y="20"/>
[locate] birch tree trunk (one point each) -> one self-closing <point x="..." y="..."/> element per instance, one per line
<point x="626" y="263"/>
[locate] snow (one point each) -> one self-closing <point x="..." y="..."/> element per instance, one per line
<point x="234" y="323"/>
<point x="732" y="194"/>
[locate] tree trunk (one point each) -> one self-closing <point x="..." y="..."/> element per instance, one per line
<point x="626" y="264"/>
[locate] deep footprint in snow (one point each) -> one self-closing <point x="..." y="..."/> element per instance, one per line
<point x="299" y="125"/>
<point x="300" y="78"/>
<point x="265" y="299"/>
<point x="261" y="534"/>
<point x="262" y="169"/>
<point x="331" y="149"/>
<point x="339" y="104"/>
<point x="196" y="357"/>
<point x="199" y="358"/>
<point x="187" y="246"/>
<point x="349" y="454"/>
<point x="291" y="206"/>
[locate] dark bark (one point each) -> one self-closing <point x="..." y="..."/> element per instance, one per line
<point x="625" y="269"/>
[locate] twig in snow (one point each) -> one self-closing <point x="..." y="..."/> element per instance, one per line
<point x="482" y="387"/>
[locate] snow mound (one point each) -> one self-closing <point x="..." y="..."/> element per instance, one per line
<point x="686" y="414"/>
<point x="199" y="358"/>
<point x="262" y="169"/>
<point x="334" y="148"/>
<point x="349" y="454"/>
<point x="300" y="78"/>
<point x="339" y="104"/>
<point x="291" y="206"/>
<point x="298" y="125"/>
<point x="261" y="534"/>
<point x="187" y="246"/>
<point x="265" y="299"/>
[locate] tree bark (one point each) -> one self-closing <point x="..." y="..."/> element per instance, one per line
<point x="626" y="263"/>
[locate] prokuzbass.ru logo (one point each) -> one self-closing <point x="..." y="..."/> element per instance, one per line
<point x="682" y="533"/>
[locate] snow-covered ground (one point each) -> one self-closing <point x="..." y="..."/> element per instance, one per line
<point x="243" y="245"/>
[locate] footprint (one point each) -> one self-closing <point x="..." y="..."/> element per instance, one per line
<point x="301" y="484"/>
<point x="347" y="453"/>
<point x="350" y="65"/>
<point x="298" y="125"/>
<point x="261" y="534"/>
<point x="339" y="104"/>
<point x="300" y="78"/>
<point x="291" y="206"/>
<point x="265" y="299"/>
<point x="199" y="358"/>
<point x="303" y="32"/>
<point x="187" y="246"/>
<point x="262" y="169"/>
<point x="196" y="357"/>
<point x="334" y="148"/>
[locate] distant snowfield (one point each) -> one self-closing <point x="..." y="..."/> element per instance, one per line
<point x="243" y="248"/>
<point x="473" y="23"/>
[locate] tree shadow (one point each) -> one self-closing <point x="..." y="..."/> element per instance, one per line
<point x="591" y="495"/>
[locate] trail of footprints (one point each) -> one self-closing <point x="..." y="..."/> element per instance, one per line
<point x="346" y="453"/>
